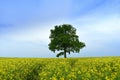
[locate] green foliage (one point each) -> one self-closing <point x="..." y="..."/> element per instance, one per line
<point x="107" y="68"/>
<point x="64" y="38"/>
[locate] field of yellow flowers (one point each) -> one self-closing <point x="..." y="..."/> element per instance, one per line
<point x="104" y="68"/>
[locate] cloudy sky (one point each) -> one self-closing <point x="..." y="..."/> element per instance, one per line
<point x="25" y="26"/>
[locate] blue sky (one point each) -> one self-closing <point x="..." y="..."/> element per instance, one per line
<point x="25" y="26"/>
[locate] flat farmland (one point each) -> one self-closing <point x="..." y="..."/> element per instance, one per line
<point x="90" y="68"/>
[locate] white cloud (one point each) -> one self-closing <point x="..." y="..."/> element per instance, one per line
<point x="35" y="33"/>
<point x="107" y="25"/>
<point x="30" y="34"/>
<point x="98" y="33"/>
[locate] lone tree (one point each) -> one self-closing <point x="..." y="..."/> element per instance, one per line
<point x="63" y="38"/>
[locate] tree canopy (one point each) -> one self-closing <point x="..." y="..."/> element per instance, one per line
<point x="63" y="38"/>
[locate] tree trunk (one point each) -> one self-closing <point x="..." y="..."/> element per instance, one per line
<point x="65" y="56"/>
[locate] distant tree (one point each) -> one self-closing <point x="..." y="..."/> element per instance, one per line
<point x="63" y="38"/>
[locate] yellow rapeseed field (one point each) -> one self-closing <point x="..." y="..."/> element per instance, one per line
<point x="104" y="68"/>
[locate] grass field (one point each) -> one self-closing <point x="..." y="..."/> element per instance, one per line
<point x="104" y="68"/>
